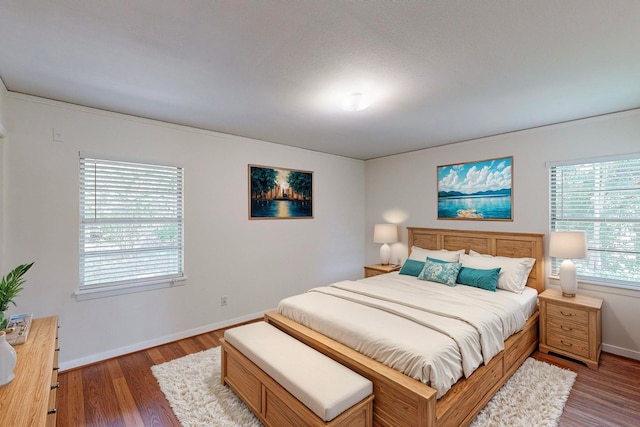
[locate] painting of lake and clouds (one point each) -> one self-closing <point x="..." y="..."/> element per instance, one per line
<point x="476" y="190"/>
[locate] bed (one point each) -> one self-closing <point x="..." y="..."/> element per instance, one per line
<point x="401" y="400"/>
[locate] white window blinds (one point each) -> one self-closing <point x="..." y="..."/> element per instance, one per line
<point x="131" y="223"/>
<point x="601" y="198"/>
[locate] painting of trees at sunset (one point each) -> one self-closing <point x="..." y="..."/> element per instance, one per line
<point x="279" y="193"/>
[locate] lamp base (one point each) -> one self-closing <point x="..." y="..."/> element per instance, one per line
<point x="568" y="279"/>
<point x="385" y="254"/>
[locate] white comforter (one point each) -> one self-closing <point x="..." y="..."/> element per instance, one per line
<point x="428" y="331"/>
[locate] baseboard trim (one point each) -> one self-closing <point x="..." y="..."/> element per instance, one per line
<point x="143" y="345"/>
<point x="625" y="352"/>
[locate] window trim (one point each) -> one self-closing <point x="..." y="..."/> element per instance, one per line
<point x="109" y="291"/>
<point x="615" y="286"/>
<point x="129" y="286"/>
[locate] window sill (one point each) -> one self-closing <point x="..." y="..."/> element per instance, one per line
<point x="110" y="291"/>
<point x="600" y="287"/>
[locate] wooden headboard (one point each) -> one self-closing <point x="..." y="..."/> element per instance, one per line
<point x="515" y="245"/>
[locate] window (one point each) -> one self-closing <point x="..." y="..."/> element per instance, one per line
<point x="131" y="224"/>
<point x="602" y="198"/>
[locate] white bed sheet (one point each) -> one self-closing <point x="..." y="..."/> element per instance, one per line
<point x="368" y="317"/>
<point x="528" y="300"/>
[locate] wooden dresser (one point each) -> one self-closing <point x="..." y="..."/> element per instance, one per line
<point x="30" y="399"/>
<point x="571" y="326"/>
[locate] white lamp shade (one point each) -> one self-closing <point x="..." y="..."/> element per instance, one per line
<point x="385" y="233"/>
<point x="568" y="244"/>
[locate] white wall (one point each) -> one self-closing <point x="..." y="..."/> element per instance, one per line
<point x="3" y="108"/>
<point x="402" y="189"/>
<point x="3" y="130"/>
<point x="254" y="263"/>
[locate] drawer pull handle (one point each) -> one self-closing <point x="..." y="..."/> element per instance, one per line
<point x="57" y="349"/>
<point x="565" y="344"/>
<point x="55" y="368"/>
<point x="56" y="385"/>
<point x="52" y="411"/>
<point x="565" y="328"/>
<point x="566" y="314"/>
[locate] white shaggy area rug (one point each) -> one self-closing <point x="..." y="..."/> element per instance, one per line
<point x="534" y="396"/>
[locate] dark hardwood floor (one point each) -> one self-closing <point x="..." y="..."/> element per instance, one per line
<point x="608" y="397"/>
<point x="124" y="392"/>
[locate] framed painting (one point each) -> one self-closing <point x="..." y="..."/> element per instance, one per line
<point x="476" y="190"/>
<point x="279" y="193"/>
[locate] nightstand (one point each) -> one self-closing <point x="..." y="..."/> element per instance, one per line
<point x="571" y="327"/>
<point x="376" y="269"/>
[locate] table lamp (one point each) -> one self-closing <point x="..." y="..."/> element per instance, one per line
<point x="568" y="245"/>
<point x="385" y="234"/>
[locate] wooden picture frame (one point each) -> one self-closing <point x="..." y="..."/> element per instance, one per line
<point x="481" y="190"/>
<point x="280" y="193"/>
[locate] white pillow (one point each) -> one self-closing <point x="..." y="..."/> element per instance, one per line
<point x="474" y="253"/>
<point x="513" y="274"/>
<point x="420" y="254"/>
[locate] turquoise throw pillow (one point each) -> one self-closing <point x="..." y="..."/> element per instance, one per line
<point x="483" y="279"/>
<point x="441" y="272"/>
<point x="412" y="267"/>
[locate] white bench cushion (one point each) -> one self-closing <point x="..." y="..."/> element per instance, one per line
<point x="320" y="383"/>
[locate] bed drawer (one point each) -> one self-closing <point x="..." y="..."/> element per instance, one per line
<point x="568" y="313"/>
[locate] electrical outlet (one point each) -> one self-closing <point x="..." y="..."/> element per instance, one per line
<point x="224" y="301"/>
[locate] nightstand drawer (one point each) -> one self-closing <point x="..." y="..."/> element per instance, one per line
<point x="568" y="313"/>
<point x="564" y="327"/>
<point x="568" y="344"/>
<point x="370" y="273"/>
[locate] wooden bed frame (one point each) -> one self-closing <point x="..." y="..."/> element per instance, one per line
<point x="401" y="400"/>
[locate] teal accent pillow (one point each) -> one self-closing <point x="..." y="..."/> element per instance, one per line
<point x="483" y="279"/>
<point x="440" y="272"/>
<point x="412" y="267"/>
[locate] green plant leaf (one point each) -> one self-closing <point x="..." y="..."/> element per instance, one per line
<point x="11" y="286"/>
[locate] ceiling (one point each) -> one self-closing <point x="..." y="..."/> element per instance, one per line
<point x="437" y="72"/>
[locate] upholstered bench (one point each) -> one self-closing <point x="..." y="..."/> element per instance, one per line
<point x="286" y="383"/>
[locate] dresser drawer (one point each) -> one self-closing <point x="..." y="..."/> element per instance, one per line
<point x="52" y="413"/>
<point x="558" y="326"/>
<point x="568" y="313"/>
<point x="568" y="344"/>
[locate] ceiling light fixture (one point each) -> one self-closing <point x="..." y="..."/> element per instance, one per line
<point x="356" y="101"/>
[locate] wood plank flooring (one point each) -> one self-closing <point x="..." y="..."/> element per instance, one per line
<point x="124" y="392"/>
